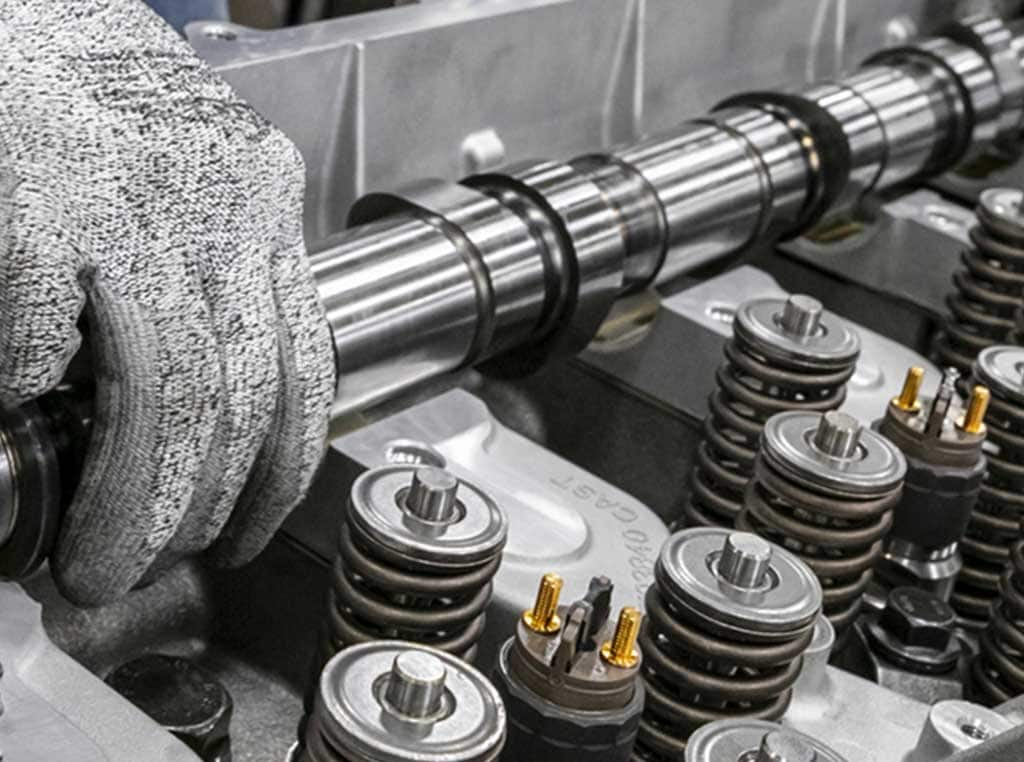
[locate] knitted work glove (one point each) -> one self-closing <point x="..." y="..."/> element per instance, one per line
<point x="135" y="185"/>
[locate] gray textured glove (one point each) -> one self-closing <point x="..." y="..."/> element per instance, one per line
<point x="136" y="185"/>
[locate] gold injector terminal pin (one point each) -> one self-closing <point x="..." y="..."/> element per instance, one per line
<point x="621" y="651"/>
<point x="911" y="389"/>
<point x="973" y="421"/>
<point x="543" y="617"/>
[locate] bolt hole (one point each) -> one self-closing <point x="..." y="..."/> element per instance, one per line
<point x="408" y="452"/>
<point x="217" y="32"/>
<point x="973" y="728"/>
<point x="723" y="313"/>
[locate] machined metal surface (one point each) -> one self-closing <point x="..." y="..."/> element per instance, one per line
<point x="721" y="640"/>
<point x="825" y="486"/>
<point x="389" y="701"/>
<point x="417" y="551"/>
<point x="55" y="709"/>
<point x="955" y="726"/>
<point x="756" y="741"/>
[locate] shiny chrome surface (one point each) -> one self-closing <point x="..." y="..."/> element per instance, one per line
<point x="370" y="705"/>
<point x="531" y="259"/>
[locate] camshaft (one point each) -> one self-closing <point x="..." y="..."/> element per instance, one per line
<point x="525" y="264"/>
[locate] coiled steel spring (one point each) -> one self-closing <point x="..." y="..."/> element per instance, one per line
<point x="417" y="553"/>
<point x="825" y="488"/>
<point x="994" y="523"/>
<point x="734" y="657"/>
<point x="997" y="672"/>
<point x="990" y="287"/>
<point x="784" y="355"/>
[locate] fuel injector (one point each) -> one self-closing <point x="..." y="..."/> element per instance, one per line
<point x="942" y="443"/>
<point x="570" y="678"/>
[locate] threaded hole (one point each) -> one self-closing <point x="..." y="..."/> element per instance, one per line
<point x="974" y="728"/>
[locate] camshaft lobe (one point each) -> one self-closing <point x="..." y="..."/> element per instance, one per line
<point x="526" y="263"/>
<point x="824" y="487"/>
<point x="990" y="288"/>
<point x="994" y="524"/>
<point x="784" y="355"/>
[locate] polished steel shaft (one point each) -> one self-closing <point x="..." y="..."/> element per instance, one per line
<point x="527" y="262"/>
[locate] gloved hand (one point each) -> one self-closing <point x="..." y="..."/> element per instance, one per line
<point x="136" y="185"/>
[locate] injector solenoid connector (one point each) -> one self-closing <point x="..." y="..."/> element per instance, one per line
<point x="570" y="677"/>
<point x="942" y="441"/>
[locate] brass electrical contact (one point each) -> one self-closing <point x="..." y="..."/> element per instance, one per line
<point x="543" y="617"/>
<point x="973" y="421"/>
<point x="621" y="651"/>
<point x="907" y="401"/>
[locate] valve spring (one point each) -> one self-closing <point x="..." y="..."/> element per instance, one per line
<point x="373" y="598"/>
<point x="723" y="660"/>
<point x="825" y="488"/>
<point x="997" y="672"/>
<point x="420" y="593"/>
<point x="990" y="286"/>
<point x="694" y="676"/>
<point x="771" y="365"/>
<point x="838" y="537"/>
<point x="994" y="523"/>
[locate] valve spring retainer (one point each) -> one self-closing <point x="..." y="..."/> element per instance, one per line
<point x="997" y="672"/>
<point x="990" y="287"/>
<point x="994" y="524"/>
<point x="824" y="488"/>
<point x="784" y="355"/>
<point x="391" y="701"/>
<point x="418" y="550"/>
<point x="727" y="620"/>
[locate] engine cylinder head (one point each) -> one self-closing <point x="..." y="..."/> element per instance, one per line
<point x="994" y="524"/>
<point x="389" y="701"/>
<point x="417" y="553"/>
<point x="727" y="620"/>
<point x="954" y="726"/>
<point x="784" y="355"/>
<point x="990" y="287"/>
<point x="824" y="487"/>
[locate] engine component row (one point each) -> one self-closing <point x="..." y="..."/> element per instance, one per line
<point x="825" y="487"/>
<point x="942" y="443"/>
<point x="727" y="620"/>
<point x="990" y="289"/>
<point x="784" y="355"/>
<point x="994" y="524"/>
